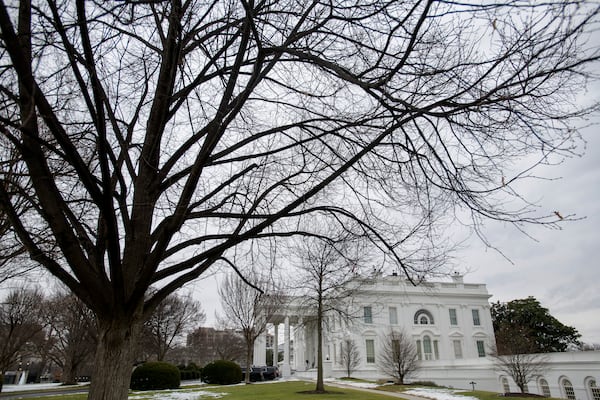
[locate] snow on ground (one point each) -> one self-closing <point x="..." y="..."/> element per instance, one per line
<point x="438" y="394"/>
<point x="30" y="386"/>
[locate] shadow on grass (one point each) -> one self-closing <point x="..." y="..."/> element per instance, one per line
<point x="319" y="392"/>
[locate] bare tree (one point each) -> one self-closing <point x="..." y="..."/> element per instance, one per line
<point x="398" y="356"/>
<point x="13" y="255"/>
<point x="20" y="322"/>
<point x="515" y="355"/>
<point x="209" y="344"/>
<point x="157" y="137"/>
<point x="72" y="334"/>
<point x="349" y="356"/>
<point x="171" y="320"/>
<point x="329" y="276"/>
<point x="248" y="308"/>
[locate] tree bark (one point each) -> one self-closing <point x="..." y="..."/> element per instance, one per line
<point x="114" y="359"/>
<point x="249" y="354"/>
<point x="320" y="386"/>
<point x="68" y="373"/>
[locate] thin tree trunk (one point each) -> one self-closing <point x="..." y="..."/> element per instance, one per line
<point x="1" y="380"/>
<point x="114" y="359"/>
<point x="249" y="348"/>
<point x="320" y="386"/>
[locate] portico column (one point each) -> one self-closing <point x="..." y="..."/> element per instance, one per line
<point x="276" y="345"/>
<point x="285" y="368"/>
<point x="260" y="350"/>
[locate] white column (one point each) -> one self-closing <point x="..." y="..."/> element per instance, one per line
<point x="300" y="346"/>
<point x="275" y="344"/>
<point x="260" y="350"/>
<point x="285" y="368"/>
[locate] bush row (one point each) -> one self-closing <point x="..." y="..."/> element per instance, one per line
<point x="155" y="376"/>
<point x="222" y="372"/>
<point x="161" y="375"/>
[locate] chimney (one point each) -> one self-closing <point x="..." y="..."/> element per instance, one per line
<point x="457" y="277"/>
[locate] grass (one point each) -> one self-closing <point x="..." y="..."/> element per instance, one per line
<point x="288" y="391"/>
<point x="271" y="391"/>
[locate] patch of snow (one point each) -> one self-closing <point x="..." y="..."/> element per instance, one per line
<point x="438" y="394"/>
<point x="32" y="386"/>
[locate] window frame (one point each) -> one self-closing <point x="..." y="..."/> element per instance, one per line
<point x="457" y="345"/>
<point x="544" y="387"/>
<point x="393" y="312"/>
<point x="368" y="315"/>
<point x="370" y="351"/>
<point x="425" y="315"/>
<point x="453" y="316"/>
<point x="480" y="348"/>
<point x="568" y="389"/>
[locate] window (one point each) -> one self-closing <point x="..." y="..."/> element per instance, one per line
<point x="476" y="320"/>
<point x="427" y="348"/>
<point x="368" y="315"/>
<point x="594" y="390"/>
<point x="423" y="317"/>
<point x="481" y="348"/>
<point x="505" y="385"/>
<point x="453" y="320"/>
<point x="370" y="345"/>
<point x="544" y="388"/>
<point x="457" y="349"/>
<point x="393" y="316"/>
<point x="568" y="389"/>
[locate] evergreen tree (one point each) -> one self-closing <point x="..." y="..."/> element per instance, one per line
<point x="527" y="317"/>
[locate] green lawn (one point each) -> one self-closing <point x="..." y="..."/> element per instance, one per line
<point x="290" y="391"/>
<point x="271" y="391"/>
<point x="277" y="391"/>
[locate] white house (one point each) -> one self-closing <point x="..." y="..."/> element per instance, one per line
<point x="450" y="324"/>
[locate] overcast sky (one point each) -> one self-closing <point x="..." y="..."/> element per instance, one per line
<point x="559" y="267"/>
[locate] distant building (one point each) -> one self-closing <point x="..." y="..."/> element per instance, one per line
<point x="207" y="344"/>
<point x="450" y="325"/>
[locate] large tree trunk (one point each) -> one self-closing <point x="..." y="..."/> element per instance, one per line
<point x="249" y="354"/>
<point x="68" y="373"/>
<point x="114" y="359"/>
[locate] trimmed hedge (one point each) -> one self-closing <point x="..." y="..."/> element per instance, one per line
<point x="155" y="376"/>
<point x="222" y="372"/>
<point x="189" y="372"/>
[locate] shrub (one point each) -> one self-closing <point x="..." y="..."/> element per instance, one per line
<point x="190" y="371"/>
<point x="424" y="383"/>
<point x="155" y="376"/>
<point x="222" y="372"/>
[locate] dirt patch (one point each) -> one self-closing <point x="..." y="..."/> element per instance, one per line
<point x="319" y="392"/>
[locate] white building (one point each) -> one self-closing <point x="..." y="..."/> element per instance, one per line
<point x="449" y="322"/>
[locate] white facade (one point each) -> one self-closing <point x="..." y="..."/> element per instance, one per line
<point x="450" y="322"/>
